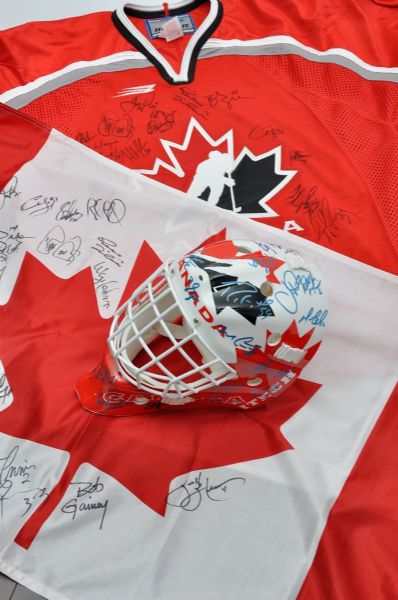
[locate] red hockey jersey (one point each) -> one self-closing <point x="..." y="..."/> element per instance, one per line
<point x="364" y="28"/>
<point x="265" y="126"/>
<point x="319" y="127"/>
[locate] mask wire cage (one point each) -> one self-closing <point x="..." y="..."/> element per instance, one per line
<point x="152" y="311"/>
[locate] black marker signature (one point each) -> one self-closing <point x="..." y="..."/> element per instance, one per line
<point x="112" y="125"/>
<point x="324" y="219"/>
<point x="39" y="205"/>
<point x="13" y="476"/>
<point x="84" y="137"/>
<point x="189" y="495"/>
<point x="102" y="284"/>
<point x="56" y="244"/>
<point x="5" y="390"/>
<point x="5" y="481"/>
<point x="108" y="249"/>
<point x="139" y="104"/>
<point x="113" y="210"/>
<point x="191" y="100"/>
<point x="87" y="487"/>
<point x="227" y="99"/>
<point x="137" y="149"/>
<point x="9" y="192"/>
<point x="109" y="149"/>
<point x="114" y="149"/>
<point x="68" y="212"/>
<point x="29" y="500"/>
<point x="160" y="121"/>
<point x="10" y="241"/>
<point x="86" y="490"/>
<point x="298" y="156"/>
<point x="260" y="131"/>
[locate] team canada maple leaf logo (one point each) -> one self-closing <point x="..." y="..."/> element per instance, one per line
<point x="226" y="289"/>
<point x="243" y="183"/>
<point x="72" y="341"/>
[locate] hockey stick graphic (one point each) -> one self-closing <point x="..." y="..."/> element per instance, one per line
<point x="234" y="207"/>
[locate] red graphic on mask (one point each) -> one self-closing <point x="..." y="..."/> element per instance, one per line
<point x="60" y="337"/>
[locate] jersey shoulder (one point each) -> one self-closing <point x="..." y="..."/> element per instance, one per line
<point x="35" y="49"/>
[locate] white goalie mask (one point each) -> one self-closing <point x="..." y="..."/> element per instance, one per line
<point x="232" y="323"/>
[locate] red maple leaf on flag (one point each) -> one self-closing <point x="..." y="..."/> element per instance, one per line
<point x="52" y="333"/>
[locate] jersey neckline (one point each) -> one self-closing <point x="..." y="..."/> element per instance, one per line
<point x="187" y="69"/>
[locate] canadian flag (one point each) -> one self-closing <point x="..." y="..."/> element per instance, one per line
<point x="294" y="500"/>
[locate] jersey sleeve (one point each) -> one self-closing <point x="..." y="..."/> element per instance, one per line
<point x="366" y="28"/>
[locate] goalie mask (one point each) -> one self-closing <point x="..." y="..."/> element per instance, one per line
<point x="231" y="324"/>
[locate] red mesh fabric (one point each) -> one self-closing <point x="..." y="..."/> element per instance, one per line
<point x="360" y="115"/>
<point x="64" y="107"/>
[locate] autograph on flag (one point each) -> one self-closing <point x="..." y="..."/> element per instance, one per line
<point x="90" y="502"/>
<point x="16" y="482"/>
<point x="190" y="494"/>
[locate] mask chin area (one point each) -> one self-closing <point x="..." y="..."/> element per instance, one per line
<point x="157" y="348"/>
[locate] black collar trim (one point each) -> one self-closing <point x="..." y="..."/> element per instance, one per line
<point x="135" y="37"/>
<point x="148" y="14"/>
